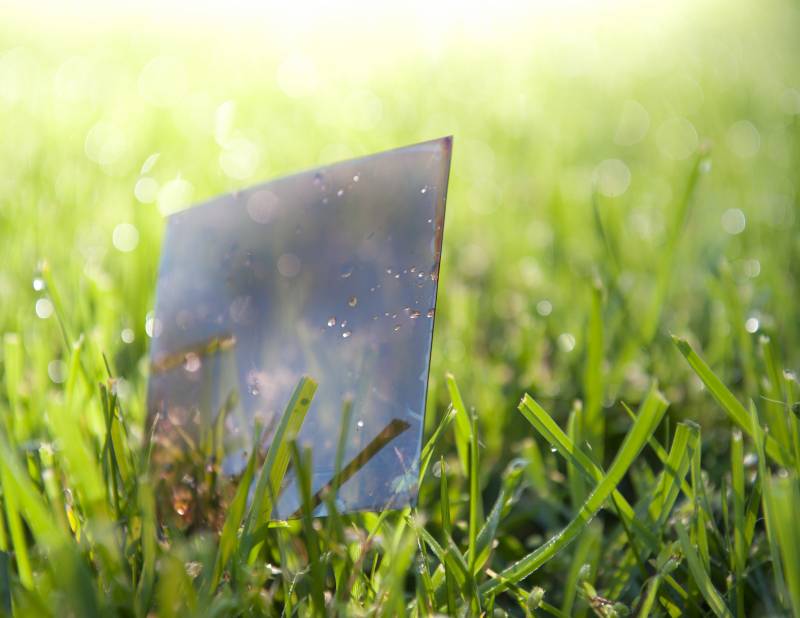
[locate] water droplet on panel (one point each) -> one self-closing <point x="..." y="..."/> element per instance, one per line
<point x="424" y="190"/>
<point x="340" y="192"/>
<point x="355" y="178"/>
<point x="431" y="313"/>
<point x="352" y="301"/>
<point x="181" y="500"/>
<point x="332" y="321"/>
<point x="397" y="327"/>
<point x="192" y="362"/>
<point x="346" y="334"/>
<point x="414" y="314"/>
<point x="360" y="424"/>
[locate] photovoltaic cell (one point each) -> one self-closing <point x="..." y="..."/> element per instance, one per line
<point x="332" y="274"/>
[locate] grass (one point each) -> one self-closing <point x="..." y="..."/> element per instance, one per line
<point x="613" y="422"/>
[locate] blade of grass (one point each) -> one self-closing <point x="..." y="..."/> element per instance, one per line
<point x="684" y="443"/>
<point x="632" y="445"/>
<point x="276" y="463"/>
<point x="785" y="498"/>
<point x="233" y="520"/>
<point x="446" y="533"/>
<point x="593" y="425"/>
<point x="759" y="438"/>
<point x="433" y="441"/>
<point x="700" y="575"/>
<point x="736" y="411"/>
<point x="463" y="424"/>
<point x="550" y="430"/>
<point x="18" y="540"/>
<point x="474" y="494"/>
<point x="739" y="555"/>
<point x="303" y="468"/>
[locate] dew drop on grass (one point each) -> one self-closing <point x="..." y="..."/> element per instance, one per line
<point x="733" y="221"/>
<point x="57" y="371"/>
<point x="332" y="321"/>
<point x="751" y="325"/>
<point x="544" y="308"/>
<point x="44" y="308"/>
<point x="352" y="301"/>
<point x="437" y="467"/>
<point x="38" y="284"/>
<point x="552" y="449"/>
<point x="566" y="342"/>
<point x="127" y="335"/>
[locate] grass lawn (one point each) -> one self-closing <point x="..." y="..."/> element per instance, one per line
<point x="613" y="422"/>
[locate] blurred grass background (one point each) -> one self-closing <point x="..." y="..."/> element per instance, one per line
<point x="561" y="117"/>
<point x="577" y="131"/>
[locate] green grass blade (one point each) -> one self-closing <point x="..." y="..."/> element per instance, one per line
<point x="739" y="555"/>
<point x="785" y="498"/>
<point x="770" y="524"/>
<point x="735" y="410"/>
<point x="475" y="499"/>
<point x="233" y="520"/>
<point x="593" y="426"/>
<point x="700" y="575"/>
<point x="554" y="435"/>
<point x="18" y="540"/>
<point x="444" y="505"/>
<point x="687" y="437"/>
<point x="433" y="441"/>
<point x="277" y="460"/>
<point x="634" y="441"/>
<point x="147" y="580"/>
<point x="463" y="424"/>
